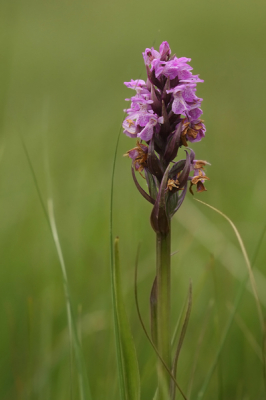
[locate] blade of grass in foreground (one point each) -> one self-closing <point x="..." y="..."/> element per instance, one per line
<point x="118" y="349"/>
<point x="238" y="298"/>
<point x="125" y="340"/>
<point x="181" y="339"/>
<point x="85" y="393"/>
<point x="128" y="373"/>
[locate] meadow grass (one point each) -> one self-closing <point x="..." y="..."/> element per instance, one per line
<point x="62" y="71"/>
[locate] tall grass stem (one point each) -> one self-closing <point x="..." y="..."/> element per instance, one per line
<point x="85" y="393"/>
<point x="238" y="298"/>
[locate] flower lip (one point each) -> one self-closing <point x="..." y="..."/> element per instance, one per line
<point x="147" y="132"/>
<point x="129" y="126"/>
<point x="133" y="84"/>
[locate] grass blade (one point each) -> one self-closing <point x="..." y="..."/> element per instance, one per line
<point x="116" y="328"/>
<point x="84" y="388"/>
<point x="244" y="252"/>
<point x="198" y="347"/>
<point x="127" y="352"/>
<point x="247" y="333"/>
<point x="181" y="339"/>
<point x="85" y="393"/>
<point x="236" y="304"/>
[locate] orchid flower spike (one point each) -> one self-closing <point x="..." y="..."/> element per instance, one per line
<point x="165" y="112"/>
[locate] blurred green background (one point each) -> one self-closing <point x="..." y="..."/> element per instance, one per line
<point x="63" y="64"/>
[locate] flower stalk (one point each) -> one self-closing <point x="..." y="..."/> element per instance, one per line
<point x="163" y="274"/>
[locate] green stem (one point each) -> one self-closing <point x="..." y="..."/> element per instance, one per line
<point x="163" y="266"/>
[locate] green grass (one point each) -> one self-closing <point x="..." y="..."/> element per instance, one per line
<point x="62" y="67"/>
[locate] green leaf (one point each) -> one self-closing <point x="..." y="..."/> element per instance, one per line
<point x="126" y="351"/>
<point x="151" y="184"/>
<point x="172" y="200"/>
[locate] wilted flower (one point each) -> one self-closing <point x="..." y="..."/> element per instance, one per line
<point x="172" y="184"/>
<point x="139" y="156"/>
<point x="198" y="179"/>
<point x="193" y="130"/>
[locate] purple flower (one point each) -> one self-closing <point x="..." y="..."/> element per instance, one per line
<point x="147" y="132"/>
<point x="169" y="80"/>
<point x="165" y="51"/>
<point x="149" y="55"/>
<point x="139" y="108"/>
<point x="195" y="112"/>
<point x="138" y="85"/>
<point x="134" y="84"/>
<point x="179" y="105"/>
<point x="139" y="113"/>
<point x="185" y="100"/>
<point x="129" y="126"/>
<point x="177" y="67"/>
<point x="165" y="112"/>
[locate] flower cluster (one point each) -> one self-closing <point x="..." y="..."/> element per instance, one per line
<point x="165" y="113"/>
